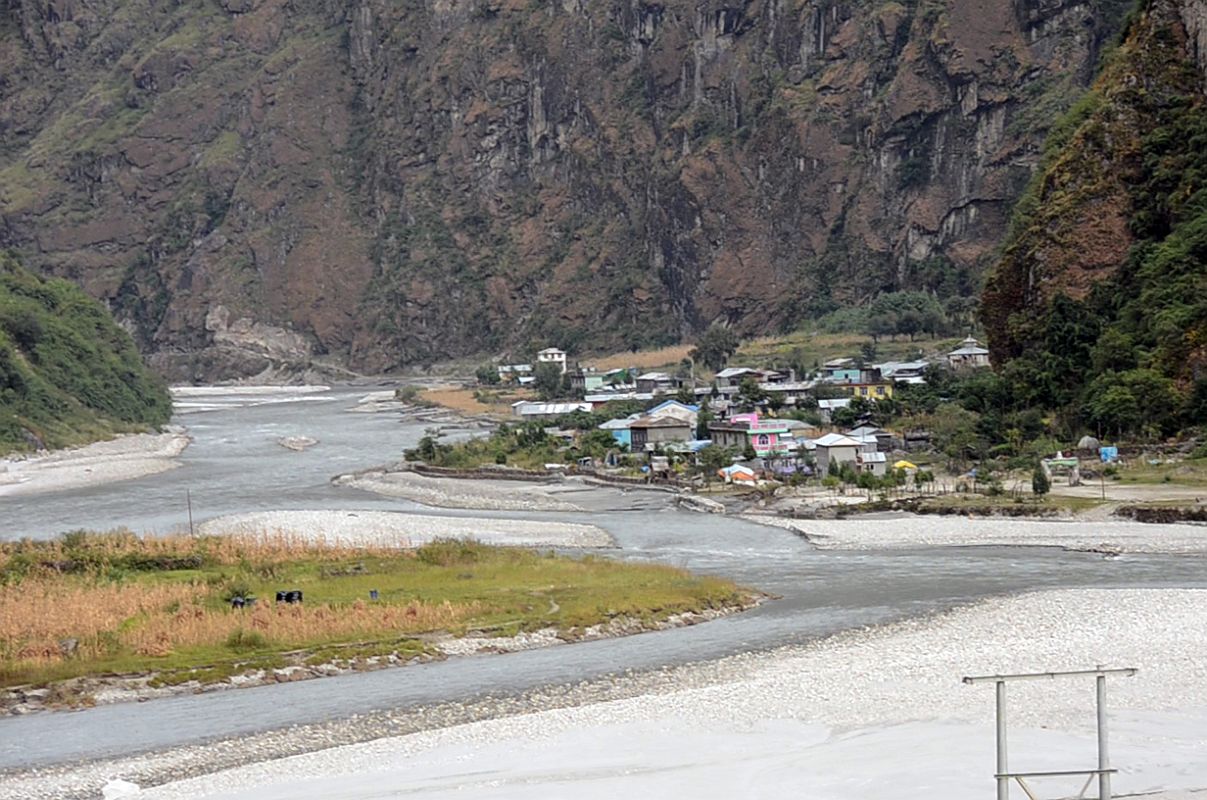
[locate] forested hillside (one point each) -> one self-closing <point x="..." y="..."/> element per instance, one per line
<point x="68" y="373"/>
<point x="1099" y="306"/>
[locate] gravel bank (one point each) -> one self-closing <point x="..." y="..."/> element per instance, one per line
<point x="120" y="459"/>
<point x="198" y="399"/>
<point x="408" y="530"/>
<point x="869" y="533"/>
<point x="458" y="493"/>
<point x="841" y="717"/>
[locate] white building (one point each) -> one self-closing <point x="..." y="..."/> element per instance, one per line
<point x="969" y="354"/>
<point x="834" y="447"/>
<point x="873" y="463"/>
<point x="551" y="355"/>
<point x="527" y="409"/>
<point x="826" y="408"/>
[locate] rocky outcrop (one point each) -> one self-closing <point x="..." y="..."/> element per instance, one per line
<point x="1194" y="17"/>
<point x="393" y="182"/>
<point x="1105" y="256"/>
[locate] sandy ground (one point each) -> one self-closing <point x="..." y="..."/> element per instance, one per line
<point x="394" y="528"/>
<point x="1134" y="492"/>
<point x="119" y="459"/>
<point x="862" y="716"/>
<point x="463" y="493"/>
<point x="875" y="533"/>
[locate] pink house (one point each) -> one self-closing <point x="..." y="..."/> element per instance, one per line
<point x="767" y="437"/>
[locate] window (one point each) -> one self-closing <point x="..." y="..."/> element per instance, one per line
<point x="879" y="390"/>
<point x="863" y="390"/>
<point x="764" y="440"/>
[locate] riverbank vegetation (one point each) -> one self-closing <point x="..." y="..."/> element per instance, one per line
<point x="526" y="445"/>
<point x="89" y="604"/>
<point x="68" y="373"/>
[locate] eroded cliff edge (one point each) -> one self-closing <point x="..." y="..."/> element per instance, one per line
<point x="392" y="182"/>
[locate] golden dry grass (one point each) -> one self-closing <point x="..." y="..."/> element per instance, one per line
<point x="35" y="615"/>
<point x="643" y="359"/>
<point x="135" y="605"/>
<point x="287" y="625"/>
<point x="461" y="400"/>
<point x="157" y="619"/>
<point x="258" y="547"/>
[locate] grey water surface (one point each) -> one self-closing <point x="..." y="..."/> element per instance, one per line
<point x="235" y="465"/>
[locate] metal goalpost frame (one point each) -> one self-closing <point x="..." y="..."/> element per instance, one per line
<point x="1103" y="772"/>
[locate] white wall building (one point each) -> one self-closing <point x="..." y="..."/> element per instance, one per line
<point x="551" y="355"/>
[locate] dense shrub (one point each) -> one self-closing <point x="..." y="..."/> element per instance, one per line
<point x="68" y="372"/>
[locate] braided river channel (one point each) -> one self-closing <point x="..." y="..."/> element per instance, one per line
<point x="236" y="465"/>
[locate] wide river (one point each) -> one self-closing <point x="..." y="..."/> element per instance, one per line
<point x="236" y="465"/>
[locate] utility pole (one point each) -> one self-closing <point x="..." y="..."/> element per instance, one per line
<point x="188" y="499"/>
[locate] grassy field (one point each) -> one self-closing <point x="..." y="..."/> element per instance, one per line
<point x="800" y="346"/>
<point x="94" y="604"/>
<point x="1048" y="504"/>
<point x="809" y="348"/>
<point x="1188" y="472"/>
<point x="643" y="359"/>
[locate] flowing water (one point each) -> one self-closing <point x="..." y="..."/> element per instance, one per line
<point x="235" y="465"/>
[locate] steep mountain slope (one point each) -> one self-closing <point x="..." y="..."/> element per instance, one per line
<point x="68" y="373"/>
<point x="250" y="181"/>
<point x="1100" y="300"/>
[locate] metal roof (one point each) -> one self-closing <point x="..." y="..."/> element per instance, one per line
<point x="837" y="440"/>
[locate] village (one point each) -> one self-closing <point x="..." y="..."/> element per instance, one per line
<point x="842" y="435"/>
<point x="743" y="425"/>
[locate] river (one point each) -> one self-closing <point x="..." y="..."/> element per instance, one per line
<point x="235" y="465"/>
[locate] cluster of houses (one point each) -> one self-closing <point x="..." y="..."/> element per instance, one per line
<point x="522" y="373"/>
<point x="778" y="443"/>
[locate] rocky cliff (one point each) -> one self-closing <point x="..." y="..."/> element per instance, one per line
<point x="1100" y="298"/>
<point x="253" y="182"/>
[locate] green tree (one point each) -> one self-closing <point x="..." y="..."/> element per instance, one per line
<point x="548" y="380"/>
<point x="704" y="417"/>
<point x="715" y="347"/>
<point x="1114" y="409"/>
<point x="1040" y="484"/>
<point x="713" y="458"/>
<point x="750" y="394"/>
<point x="488" y="375"/>
<point x="596" y="443"/>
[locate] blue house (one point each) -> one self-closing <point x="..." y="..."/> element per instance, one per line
<point x="619" y="428"/>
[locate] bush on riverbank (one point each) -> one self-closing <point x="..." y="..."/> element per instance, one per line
<point x="68" y="373"/>
<point x="100" y="603"/>
<point x="526" y="445"/>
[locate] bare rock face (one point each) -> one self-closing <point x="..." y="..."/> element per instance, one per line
<point x="1194" y="17"/>
<point x="394" y="182"/>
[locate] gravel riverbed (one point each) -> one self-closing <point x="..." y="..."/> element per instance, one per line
<point x="838" y="714"/>
<point x="881" y="533"/>
<point x="460" y="493"/>
<point x="407" y="530"/>
<point x="120" y="459"/>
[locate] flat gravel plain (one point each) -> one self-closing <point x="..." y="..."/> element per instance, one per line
<point x="407" y="530"/>
<point x="866" y="696"/>
<point x="881" y="533"/>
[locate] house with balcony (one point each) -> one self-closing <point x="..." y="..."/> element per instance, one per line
<point x="768" y="438"/>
